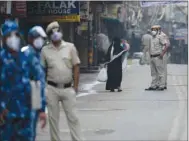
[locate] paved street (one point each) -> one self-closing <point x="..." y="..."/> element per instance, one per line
<point x="133" y="114"/>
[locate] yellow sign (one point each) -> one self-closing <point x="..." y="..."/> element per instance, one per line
<point x="68" y="18"/>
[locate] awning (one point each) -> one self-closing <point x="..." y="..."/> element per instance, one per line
<point x="110" y="19"/>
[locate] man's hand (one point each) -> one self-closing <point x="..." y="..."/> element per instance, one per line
<point x="2" y="116"/>
<point x="43" y="119"/>
<point x="76" y="77"/>
<point x="161" y="56"/>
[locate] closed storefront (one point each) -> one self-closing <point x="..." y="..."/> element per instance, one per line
<point x="44" y="12"/>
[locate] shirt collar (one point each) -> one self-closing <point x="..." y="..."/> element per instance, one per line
<point x="62" y="44"/>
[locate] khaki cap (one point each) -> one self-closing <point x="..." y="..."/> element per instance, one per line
<point x="155" y="27"/>
<point x="52" y="26"/>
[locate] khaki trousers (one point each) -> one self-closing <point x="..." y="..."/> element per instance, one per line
<point x="67" y="97"/>
<point x="165" y="57"/>
<point x="157" y="72"/>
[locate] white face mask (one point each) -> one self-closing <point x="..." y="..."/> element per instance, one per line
<point x="13" y="42"/>
<point x="38" y="43"/>
<point x="56" y="36"/>
<point x="154" y="33"/>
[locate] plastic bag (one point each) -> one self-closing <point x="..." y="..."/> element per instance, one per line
<point x="124" y="64"/>
<point x="102" y="76"/>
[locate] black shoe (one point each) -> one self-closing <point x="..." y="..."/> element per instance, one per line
<point x="150" y="89"/>
<point x="112" y="90"/>
<point x="119" y="90"/>
<point x="165" y="87"/>
<point x="160" y="89"/>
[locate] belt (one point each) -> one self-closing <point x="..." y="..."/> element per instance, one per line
<point x="59" y="85"/>
<point x="155" y="55"/>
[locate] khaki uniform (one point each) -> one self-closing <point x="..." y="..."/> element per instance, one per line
<point x="146" y="39"/>
<point x="156" y="63"/>
<point x="59" y="63"/>
<point x="165" y="57"/>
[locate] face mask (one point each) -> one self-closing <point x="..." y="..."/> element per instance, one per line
<point x="56" y="36"/>
<point x="38" y="43"/>
<point x="154" y="33"/>
<point x="13" y="42"/>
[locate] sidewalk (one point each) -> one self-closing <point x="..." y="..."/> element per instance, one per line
<point x="133" y="114"/>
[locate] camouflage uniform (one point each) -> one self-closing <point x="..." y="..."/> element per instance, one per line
<point x="16" y="93"/>
<point x="34" y="33"/>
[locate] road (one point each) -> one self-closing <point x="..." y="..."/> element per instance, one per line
<point x="133" y="114"/>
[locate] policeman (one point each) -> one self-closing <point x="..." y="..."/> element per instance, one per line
<point x="146" y="40"/>
<point x="157" y="51"/>
<point x="59" y="58"/>
<point x="15" y="88"/>
<point x="165" y="57"/>
<point x="36" y="40"/>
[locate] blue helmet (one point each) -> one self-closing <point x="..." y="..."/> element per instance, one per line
<point x="37" y="31"/>
<point x="8" y="27"/>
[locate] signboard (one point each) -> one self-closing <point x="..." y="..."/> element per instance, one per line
<point x="115" y="12"/>
<point x="181" y="34"/>
<point x="84" y="9"/>
<point x="19" y="8"/>
<point x="152" y="3"/>
<point x="3" y="7"/>
<point x="121" y="14"/>
<point x="66" y="11"/>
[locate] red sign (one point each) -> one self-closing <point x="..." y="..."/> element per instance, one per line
<point x="19" y="8"/>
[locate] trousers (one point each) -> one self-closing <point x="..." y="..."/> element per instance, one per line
<point x="146" y="56"/>
<point x="157" y="72"/>
<point x="165" y="59"/>
<point x="17" y="130"/>
<point x="67" y="97"/>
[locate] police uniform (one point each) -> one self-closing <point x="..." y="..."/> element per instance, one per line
<point x="156" y="63"/>
<point x="15" y="90"/>
<point x="165" y="57"/>
<point x="59" y="62"/>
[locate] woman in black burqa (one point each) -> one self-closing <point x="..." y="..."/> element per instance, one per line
<point x="114" y="69"/>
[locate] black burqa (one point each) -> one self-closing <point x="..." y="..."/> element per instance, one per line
<point x="114" y="69"/>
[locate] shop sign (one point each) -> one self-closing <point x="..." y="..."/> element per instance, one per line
<point x="181" y="34"/>
<point x="56" y="10"/>
<point x="5" y="7"/>
<point x="19" y="8"/>
<point x="84" y="10"/>
<point x="153" y="3"/>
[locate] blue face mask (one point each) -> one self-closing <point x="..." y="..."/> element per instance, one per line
<point x="56" y="36"/>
